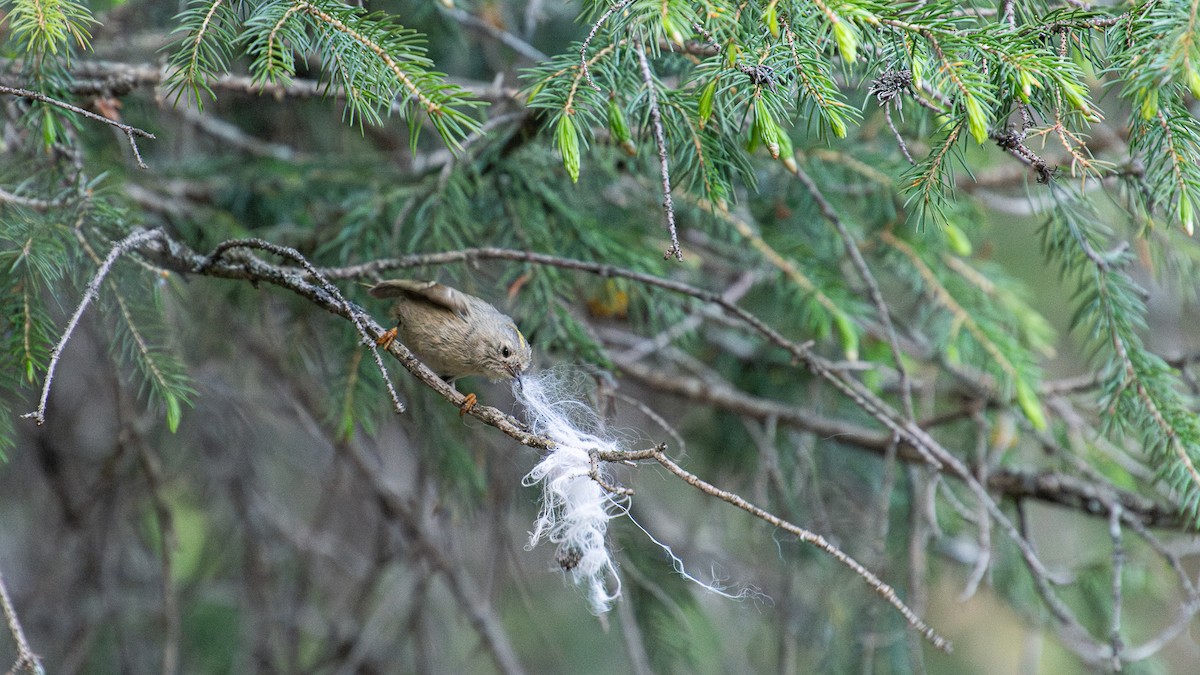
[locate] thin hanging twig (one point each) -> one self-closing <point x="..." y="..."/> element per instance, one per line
<point x="661" y="141"/>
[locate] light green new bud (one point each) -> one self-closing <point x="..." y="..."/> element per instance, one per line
<point x="1186" y="213"/>
<point x="706" y="102"/>
<point x="847" y="39"/>
<point x="847" y="335"/>
<point x="1193" y="80"/>
<point x="977" y="121"/>
<point x="959" y="243"/>
<point x="568" y="145"/>
<point x="1030" y="405"/>
<point x="620" y="128"/>
<point x="1150" y="105"/>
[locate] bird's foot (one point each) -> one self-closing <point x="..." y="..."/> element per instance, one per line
<point x="386" y="338"/>
<point x="469" y="402"/>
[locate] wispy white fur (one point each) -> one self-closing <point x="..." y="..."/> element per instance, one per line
<point x="575" y="508"/>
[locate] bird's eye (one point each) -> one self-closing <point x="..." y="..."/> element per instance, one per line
<point x="504" y="351"/>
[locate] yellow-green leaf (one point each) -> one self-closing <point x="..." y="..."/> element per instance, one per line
<point x="769" y="132"/>
<point x="977" y="121"/>
<point x="847" y="39"/>
<point x="1193" y="80"/>
<point x="1150" y="105"/>
<point x="771" y="16"/>
<point x="1076" y="96"/>
<point x="670" y="26"/>
<point x="755" y="137"/>
<point x="568" y="146"/>
<point x="952" y="354"/>
<point x="174" y="412"/>
<point x="1027" y="82"/>
<point x="51" y="130"/>
<point x="1186" y="214"/>
<point x="537" y="89"/>
<point x="847" y="335"/>
<point x="616" y="121"/>
<point x="787" y="154"/>
<point x="706" y="102"/>
<point x="1030" y="405"/>
<point x="346" y="425"/>
<point x="959" y="243"/>
<point x="767" y="128"/>
<point x="838" y="125"/>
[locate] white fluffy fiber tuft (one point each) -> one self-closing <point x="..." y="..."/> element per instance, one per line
<point x="575" y="509"/>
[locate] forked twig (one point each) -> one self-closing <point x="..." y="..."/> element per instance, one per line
<point x="352" y="311"/>
<point x="129" y="131"/>
<point x="120" y="248"/>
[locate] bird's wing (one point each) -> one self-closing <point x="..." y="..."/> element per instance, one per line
<point x="429" y="291"/>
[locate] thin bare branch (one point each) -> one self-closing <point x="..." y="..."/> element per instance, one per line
<point x="1118" y="568"/>
<point x="660" y="140"/>
<point x="470" y="598"/>
<point x="26" y="659"/>
<point x="583" y="49"/>
<point x="129" y="131"/>
<point x="659" y="455"/>
<point x="502" y="36"/>
<point x="120" y="248"/>
<point x="350" y="310"/>
<point x="868" y="278"/>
